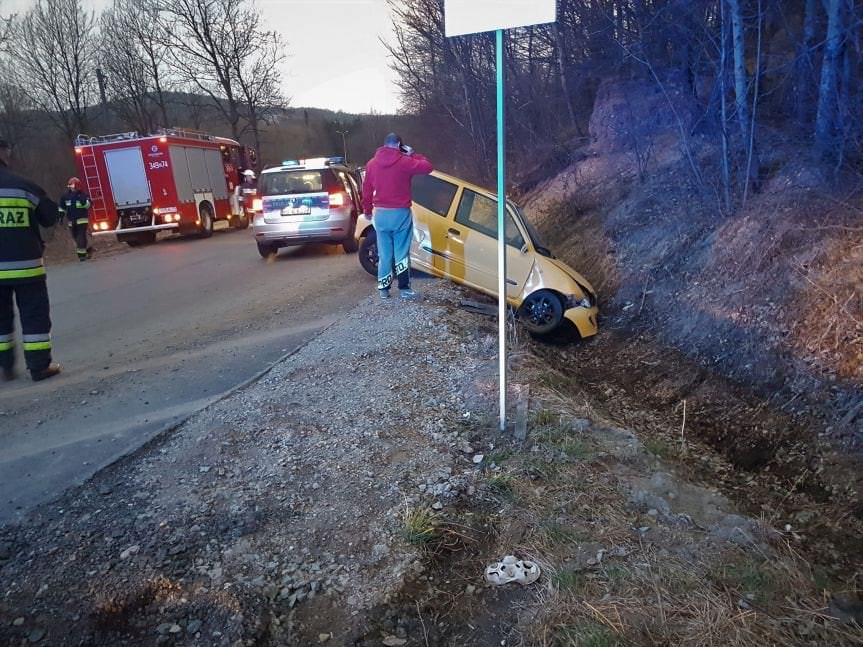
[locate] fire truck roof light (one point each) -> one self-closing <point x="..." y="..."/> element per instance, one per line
<point x="78" y="150"/>
<point x="163" y="139"/>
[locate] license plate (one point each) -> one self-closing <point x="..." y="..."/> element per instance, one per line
<point x="302" y="210"/>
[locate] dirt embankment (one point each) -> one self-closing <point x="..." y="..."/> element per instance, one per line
<point x="769" y="299"/>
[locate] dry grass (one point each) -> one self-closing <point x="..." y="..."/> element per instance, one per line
<point x="419" y="526"/>
<point x="606" y="583"/>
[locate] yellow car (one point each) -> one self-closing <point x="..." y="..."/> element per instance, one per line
<point x="455" y="237"/>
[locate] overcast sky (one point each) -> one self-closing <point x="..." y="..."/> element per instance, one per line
<point x="335" y="57"/>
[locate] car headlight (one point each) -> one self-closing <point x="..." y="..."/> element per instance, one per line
<point x="573" y="301"/>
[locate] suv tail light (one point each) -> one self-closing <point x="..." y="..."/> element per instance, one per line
<point x="258" y="205"/>
<point x="338" y="199"/>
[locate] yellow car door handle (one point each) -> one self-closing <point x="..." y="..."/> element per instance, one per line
<point x="453" y="232"/>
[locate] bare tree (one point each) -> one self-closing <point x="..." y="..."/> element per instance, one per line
<point x="5" y="31"/>
<point x="134" y="59"/>
<point x="805" y="64"/>
<point x="56" y="67"/>
<point x="722" y="73"/>
<point x="16" y="114"/>
<point x="741" y="92"/>
<point x="218" y="46"/>
<point x="259" y="80"/>
<point x="826" y="118"/>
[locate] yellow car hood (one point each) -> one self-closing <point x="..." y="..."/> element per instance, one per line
<point x="575" y="276"/>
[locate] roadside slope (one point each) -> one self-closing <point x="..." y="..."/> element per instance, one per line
<point x="354" y="495"/>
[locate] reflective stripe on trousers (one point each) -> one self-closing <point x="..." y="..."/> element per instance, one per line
<point x="34" y="311"/>
<point x="36" y="342"/>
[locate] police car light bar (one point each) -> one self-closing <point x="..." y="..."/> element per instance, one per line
<point x="314" y="161"/>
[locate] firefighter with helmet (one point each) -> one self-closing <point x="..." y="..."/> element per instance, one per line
<point x="23" y="207"/>
<point x="75" y="204"/>
<point x="249" y="190"/>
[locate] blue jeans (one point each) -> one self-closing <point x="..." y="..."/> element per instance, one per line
<point x="394" y="228"/>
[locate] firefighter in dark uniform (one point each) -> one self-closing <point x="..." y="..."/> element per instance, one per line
<point x="249" y="191"/>
<point x="23" y="207"/>
<point x="75" y="205"/>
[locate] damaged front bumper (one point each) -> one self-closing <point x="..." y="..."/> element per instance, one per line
<point x="585" y="319"/>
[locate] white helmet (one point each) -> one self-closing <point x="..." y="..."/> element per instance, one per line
<point x="249" y="173"/>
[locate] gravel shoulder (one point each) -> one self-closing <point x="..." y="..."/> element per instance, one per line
<point x="287" y="492"/>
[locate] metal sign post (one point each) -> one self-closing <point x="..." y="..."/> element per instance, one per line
<point x="465" y="17"/>
<point x="501" y="229"/>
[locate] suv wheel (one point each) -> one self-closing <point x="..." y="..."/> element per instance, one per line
<point x="369" y="253"/>
<point x="350" y="245"/>
<point x="267" y="251"/>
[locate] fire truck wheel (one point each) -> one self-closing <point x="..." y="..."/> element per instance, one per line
<point x="267" y="251"/>
<point x="205" y="229"/>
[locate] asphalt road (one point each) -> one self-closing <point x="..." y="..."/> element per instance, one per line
<point x="150" y="336"/>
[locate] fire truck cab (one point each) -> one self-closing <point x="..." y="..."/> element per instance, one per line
<point x="173" y="180"/>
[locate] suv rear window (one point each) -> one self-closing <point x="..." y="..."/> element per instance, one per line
<point x="299" y="181"/>
<point x="433" y="193"/>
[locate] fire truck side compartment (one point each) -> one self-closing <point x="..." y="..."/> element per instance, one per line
<point x="197" y="170"/>
<point x="216" y="171"/>
<point x="182" y="179"/>
<point x="128" y="177"/>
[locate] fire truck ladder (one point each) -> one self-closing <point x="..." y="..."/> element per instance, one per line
<point x="93" y="181"/>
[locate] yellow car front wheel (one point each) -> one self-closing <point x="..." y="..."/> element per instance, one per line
<point x="541" y="312"/>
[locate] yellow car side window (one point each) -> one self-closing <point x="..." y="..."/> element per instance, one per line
<point x="480" y="213"/>
<point x="433" y="194"/>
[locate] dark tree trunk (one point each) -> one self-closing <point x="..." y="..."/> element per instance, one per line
<point x="825" y="120"/>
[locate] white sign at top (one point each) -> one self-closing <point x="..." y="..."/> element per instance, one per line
<point x="476" y="16"/>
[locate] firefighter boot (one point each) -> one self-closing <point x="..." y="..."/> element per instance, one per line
<point x="50" y="371"/>
<point x="8" y="373"/>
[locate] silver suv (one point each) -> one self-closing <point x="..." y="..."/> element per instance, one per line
<point x="307" y="201"/>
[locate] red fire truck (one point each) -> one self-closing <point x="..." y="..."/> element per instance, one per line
<point x="175" y="180"/>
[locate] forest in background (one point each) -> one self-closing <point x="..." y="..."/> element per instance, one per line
<point x="140" y="65"/>
<point x="737" y="77"/>
<point x="734" y="74"/>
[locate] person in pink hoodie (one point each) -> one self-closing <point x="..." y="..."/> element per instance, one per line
<point x="387" y="195"/>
